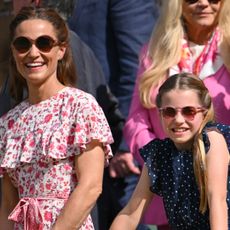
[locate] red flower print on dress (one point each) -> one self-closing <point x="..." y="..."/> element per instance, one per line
<point x="42" y="164"/>
<point x="61" y="148"/>
<point x="48" y="186"/>
<point x="47" y="118"/>
<point x="67" y="167"/>
<point x="39" y="131"/>
<point x="78" y="128"/>
<point x="10" y="123"/>
<point x="64" y="113"/>
<point x="41" y="188"/>
<point x="32" y="189"/>
<point x="49" y="141"/>
<point x="70" y="140"/>
<point x="71" y="100"/>
<point x="30" y="169"/>
<point x="32" y="143"/>
<point x="37" y="175"/>
<point x="48" y="216"/>
<point x="93" y="118"/>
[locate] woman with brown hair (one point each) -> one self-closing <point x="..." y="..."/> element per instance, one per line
<point x="54" y="144"/>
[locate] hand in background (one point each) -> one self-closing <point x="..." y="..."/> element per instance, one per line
<point x="122" y="164"/>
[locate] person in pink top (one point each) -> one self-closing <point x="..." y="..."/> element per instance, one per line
<point x="190" y="36"/>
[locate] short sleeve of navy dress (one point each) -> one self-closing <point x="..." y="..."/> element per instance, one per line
<point x="172" y="177"/>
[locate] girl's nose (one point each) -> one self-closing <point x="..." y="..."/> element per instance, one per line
<point x="179" y="117"/>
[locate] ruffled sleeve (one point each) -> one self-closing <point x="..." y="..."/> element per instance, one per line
<point x="151" y="155"/>
<point x="6" y="123"/>
<point x="90" y="124"/>
<point x="54" y="129"/>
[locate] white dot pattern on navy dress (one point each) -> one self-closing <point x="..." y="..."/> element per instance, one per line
<point x="172" y="177"/>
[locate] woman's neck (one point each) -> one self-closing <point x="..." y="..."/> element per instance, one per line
<point x="43" y="92"/>
<point x="199" y="36"/>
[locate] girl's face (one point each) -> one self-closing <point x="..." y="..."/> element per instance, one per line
<point x="201" y="14"/>
<point x="182" y="125"/>
<point x="36" y="63"/>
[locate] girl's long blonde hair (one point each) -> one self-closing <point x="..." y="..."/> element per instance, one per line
<point x="165" y="46"/>
<point x="187" y="81"/>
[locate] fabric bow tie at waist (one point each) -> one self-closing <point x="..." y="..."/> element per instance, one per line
<point x="28" y="212"/>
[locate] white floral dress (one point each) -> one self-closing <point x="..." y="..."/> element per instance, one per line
<point x="38" y="144"/>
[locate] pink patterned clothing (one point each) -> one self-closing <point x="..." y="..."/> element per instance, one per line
<point x="143" y="125"/>
<point x="38" y="145"/>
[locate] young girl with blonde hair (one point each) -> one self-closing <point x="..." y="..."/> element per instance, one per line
<point x="190" y="168"/>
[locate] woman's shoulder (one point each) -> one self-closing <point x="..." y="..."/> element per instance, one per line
<point x="79" y="96"/>
<point x="14" y="113"/>
<point x="77" y="92"/>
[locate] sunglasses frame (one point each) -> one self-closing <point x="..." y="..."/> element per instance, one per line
<point x="175" y="110"/>
<point x="195" y="1"/>
<point x="44" y="49"/>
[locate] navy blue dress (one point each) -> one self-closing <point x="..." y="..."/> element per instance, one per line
<point x="172" y="177"/>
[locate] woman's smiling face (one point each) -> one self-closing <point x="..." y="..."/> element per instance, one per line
<point x="201" y="15"/>
<point x="37" y="66"/>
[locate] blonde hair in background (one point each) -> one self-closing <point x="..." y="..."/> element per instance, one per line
<point x="165" y="45"/>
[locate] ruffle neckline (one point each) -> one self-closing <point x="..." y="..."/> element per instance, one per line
<point x="51" y="130"/>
